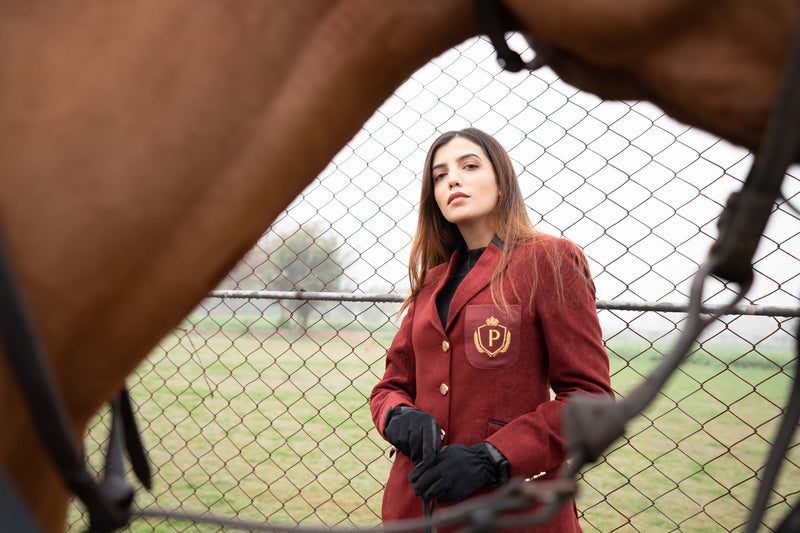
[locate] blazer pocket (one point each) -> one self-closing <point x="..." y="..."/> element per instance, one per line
<point x="492" y="426"/>
<point x="491" y="337"/>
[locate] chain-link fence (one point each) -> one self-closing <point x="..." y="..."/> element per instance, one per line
<point x="256" y="406"/>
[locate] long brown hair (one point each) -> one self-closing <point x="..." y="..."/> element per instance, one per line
<point x="436" y="238"/>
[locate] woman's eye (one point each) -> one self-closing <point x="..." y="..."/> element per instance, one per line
<point x="438" y="177"/>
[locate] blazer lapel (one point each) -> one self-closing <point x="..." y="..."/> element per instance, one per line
<point x="477" y="280"/>
<point x="431" y="311"/>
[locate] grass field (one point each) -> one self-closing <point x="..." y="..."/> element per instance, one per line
<point x="243" y="420"/>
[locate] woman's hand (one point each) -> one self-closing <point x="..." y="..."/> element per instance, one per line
<point x="415" y="433"/>
<point x="459" y="471"/>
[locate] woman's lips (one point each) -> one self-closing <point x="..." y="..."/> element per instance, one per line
<point x="455" y="196"/>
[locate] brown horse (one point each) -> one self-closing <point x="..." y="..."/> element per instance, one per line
<point x="145" y="146"/>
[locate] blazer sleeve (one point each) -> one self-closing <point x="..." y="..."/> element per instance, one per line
<point x="398" y="385"/>
<point x="577" y="361"/>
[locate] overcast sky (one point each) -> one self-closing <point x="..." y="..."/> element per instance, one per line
<point x="639" y="192"/>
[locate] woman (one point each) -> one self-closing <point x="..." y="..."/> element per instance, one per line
<point x="497" y="316"/>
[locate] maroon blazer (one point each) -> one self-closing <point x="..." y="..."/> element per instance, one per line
<point x="487" y="375"/>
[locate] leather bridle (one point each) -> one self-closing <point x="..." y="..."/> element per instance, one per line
<point x="494" y="20"/>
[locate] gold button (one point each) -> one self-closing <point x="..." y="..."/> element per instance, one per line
<point x="445" y="346"/>
<point x="443" y="388"/>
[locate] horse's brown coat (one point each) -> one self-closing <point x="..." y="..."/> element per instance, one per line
<point x="145" y="146"/>
<point x="714" y="65"/>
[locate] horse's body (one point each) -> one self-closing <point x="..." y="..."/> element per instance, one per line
<point x="145" y="146"/>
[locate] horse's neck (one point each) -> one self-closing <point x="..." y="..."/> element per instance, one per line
<point x="151" y="149"/>
<point x="145" y="146"/>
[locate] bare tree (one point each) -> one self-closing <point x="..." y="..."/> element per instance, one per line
<point x="305" y="259"/>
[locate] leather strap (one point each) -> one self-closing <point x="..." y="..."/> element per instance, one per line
<point x="42" y="394"/>
<point x="492" y="17"/>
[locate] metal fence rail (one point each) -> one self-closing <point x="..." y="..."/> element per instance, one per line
<point x="750" y="309"/>
<point x="256" y="405"/>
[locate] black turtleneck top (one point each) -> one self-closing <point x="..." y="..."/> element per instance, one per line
<point x="466" y="261"/>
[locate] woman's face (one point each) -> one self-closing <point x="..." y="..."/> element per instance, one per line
<point x="465" y="189"/>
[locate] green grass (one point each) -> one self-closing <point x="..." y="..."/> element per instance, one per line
<point x="241" y="419"/>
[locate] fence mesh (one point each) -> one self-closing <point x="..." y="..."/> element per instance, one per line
<point x="256" y="405"/>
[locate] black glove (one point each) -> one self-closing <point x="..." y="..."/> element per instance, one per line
<point x="459" y="471"/>
<point x="415" y="433"/>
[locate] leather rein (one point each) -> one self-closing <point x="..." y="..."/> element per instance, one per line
<point x="108" y="501"/>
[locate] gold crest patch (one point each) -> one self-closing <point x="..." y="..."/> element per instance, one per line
<point x="492" y="338"/>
